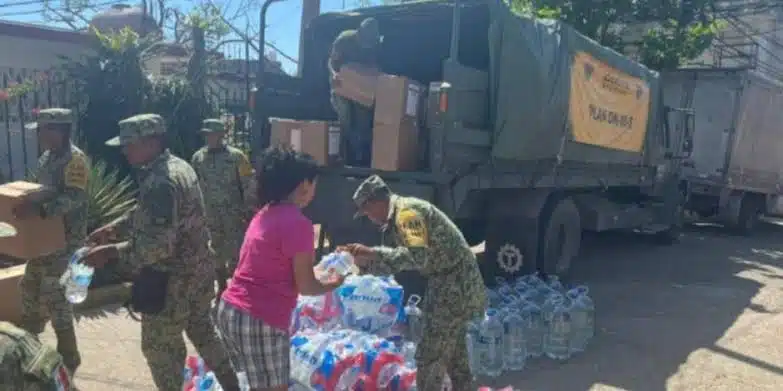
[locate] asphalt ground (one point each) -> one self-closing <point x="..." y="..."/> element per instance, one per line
<point x="704" y="314"/>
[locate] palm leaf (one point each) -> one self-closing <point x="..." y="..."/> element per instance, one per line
<point x="108" y="195"/>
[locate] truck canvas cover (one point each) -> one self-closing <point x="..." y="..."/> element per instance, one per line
<point x="560" y="95"/>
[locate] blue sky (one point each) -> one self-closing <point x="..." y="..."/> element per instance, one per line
<point x="283" y="18"/>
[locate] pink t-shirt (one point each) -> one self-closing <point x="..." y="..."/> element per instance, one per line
<point x="263" y="284"/>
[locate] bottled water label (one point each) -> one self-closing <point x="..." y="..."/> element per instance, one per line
<point x="370" y="304"/>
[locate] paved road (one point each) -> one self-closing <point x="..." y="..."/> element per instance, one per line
<point x="702" y="315"/>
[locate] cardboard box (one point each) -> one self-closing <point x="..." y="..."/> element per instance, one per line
<point x="395" y="144"/>
<point x="319" y="139"/>
<point x="35" y="236"/>
<point x="11" y="305"/>
<point x="357" y="83"/>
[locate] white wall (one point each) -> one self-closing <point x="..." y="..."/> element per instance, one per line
<point x="28" y="59"/>
<point x="31" y="53"/>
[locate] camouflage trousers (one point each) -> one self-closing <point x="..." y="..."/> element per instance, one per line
<point x="187" y="308"/>
<point x="43" y="298"/>
<point x="227" y="231"/>
<point x="443" y="350"/>
<point x="355" y="130"/>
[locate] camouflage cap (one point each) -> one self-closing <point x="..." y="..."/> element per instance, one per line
<point x="370" y="188"/>
<point x="213" y="125"/>
<point x="136" y="127"/>
<point x="52" y="116"/>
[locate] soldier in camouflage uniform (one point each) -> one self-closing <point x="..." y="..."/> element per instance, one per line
<point x="28" y="365"/>
<point x="424" y="239"/>
<point x="226" y="177"/>
<point x="358" y="47"/>
<point x="63" y="169"/>
<point x="167" y="233"/>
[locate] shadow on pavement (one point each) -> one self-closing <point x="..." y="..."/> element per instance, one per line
<point x="657" y="305"/>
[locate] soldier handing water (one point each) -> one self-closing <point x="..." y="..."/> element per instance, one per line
<point x="426" y="240"/>
<point x="169" y="253"/>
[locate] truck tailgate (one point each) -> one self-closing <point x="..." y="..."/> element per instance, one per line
<point x="756" y="161"/>
<point x="714" y="97"/>
<point x="737" y="135"/>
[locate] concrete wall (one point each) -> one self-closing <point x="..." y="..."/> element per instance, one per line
<point x="30" y="53"/>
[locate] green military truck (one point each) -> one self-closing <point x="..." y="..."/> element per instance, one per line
<point x="533" y="132"/>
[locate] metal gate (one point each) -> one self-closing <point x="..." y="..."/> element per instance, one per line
<point x="229" y="86"/>
<point x="22" y="93"/>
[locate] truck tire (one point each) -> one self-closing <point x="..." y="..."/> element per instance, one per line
<point x="561" y="236"/>
<point x="749" y="216"/>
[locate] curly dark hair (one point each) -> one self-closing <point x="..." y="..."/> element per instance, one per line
<point x="279" y="170"/>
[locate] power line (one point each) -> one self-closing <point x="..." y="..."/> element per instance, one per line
<point x="39" y="11"/>
<point x="22" y="3"/>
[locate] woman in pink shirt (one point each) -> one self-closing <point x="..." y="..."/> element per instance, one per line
<point x="275" y="265"/>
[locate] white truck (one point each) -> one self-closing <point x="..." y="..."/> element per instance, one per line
<point x="735" y="171"/>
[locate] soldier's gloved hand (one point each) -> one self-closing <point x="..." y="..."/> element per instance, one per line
<point x="102" y="235"/>
<point x="98" y="256"/>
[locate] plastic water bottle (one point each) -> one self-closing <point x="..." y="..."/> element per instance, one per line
<point x="490" y="344"/>
<point x="409" y="354"/>
<point x="77" y="277"/>
<point x="514" y="344"/>
<point x="208" y="383"/>
<point x="549" y="305"/>
<point x="414" y="316"/>
<point x="556" y="284"/>
<point x="582" y="318"/>
<point x="557" y="341"/>
<point x="243" y="383"/>
<point x="471" y="340"/>
<point x="535" y="329"/>
<point x="340" y="263"/>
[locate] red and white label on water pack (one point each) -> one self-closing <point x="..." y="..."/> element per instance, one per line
<point x="62" y="379"/>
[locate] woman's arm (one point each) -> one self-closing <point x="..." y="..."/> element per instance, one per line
<point x="304" y="275"/>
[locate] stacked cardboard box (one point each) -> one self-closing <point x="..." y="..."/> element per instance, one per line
<point x="35" y="236"/>
<point x="319" y="139"/>
<point x="357" y="83"/>
<point x="396" y="124"/>
<point x="11" y="305"/>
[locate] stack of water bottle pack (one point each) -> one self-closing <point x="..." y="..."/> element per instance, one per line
<point x="359" y="337"/>
<point x="530" y="318"/>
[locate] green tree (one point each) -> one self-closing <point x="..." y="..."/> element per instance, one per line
<point x="677" y="30"/>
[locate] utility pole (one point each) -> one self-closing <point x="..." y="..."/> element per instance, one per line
<point x="310" y="9"/>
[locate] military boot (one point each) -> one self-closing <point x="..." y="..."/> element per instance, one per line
<point x="66" y="346"/>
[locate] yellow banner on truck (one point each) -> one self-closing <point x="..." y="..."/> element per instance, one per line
<point x="608" y="108"/>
